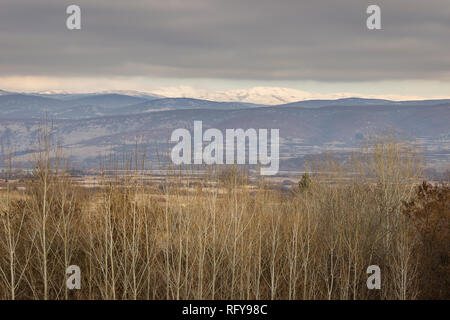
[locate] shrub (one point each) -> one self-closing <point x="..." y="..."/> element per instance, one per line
<point x="429" y="212"/>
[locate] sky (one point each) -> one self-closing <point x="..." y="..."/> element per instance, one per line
<point x="317" y="46"/>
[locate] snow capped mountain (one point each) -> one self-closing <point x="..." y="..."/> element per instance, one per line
<point x="258" y="95"/>
<point x="255" y="95"/>
<point x="263" y="95"/>
<point x="269" y="95"/>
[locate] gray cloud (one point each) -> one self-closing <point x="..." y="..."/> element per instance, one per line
<point x="233" y="39"/>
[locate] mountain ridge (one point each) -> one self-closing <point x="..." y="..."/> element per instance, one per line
<point x="256" y="95"/>
<point x="95" y="124"/>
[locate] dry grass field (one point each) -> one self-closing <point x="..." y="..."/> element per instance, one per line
<point x="222" y="237"/>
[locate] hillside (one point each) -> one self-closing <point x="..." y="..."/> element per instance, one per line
<point x="92" y="124"/>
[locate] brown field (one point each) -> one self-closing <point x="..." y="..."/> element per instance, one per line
<point x="227" y="235"/>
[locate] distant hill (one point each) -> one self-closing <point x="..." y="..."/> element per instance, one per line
<point x="98" y="105"/>
<point x="361" y="102"/>
<point x="27" y="106"/>
<point x="111" y="100"/>
<point x="92" y="124"/>
<point x="182" y="104"/>
<point x="2" y="92"/>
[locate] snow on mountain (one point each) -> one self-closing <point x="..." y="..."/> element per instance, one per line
<point x="262" y="95"/>
<point x="53" y="92"/>
<point x="267" y="95"/>
<point x="258" y="95"/>
<point x="255" y="95"/>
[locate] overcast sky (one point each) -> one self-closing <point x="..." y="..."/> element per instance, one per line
<point x="320" y="45"/>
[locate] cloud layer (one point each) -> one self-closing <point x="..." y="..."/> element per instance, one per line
<point x="234" y="39"/>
